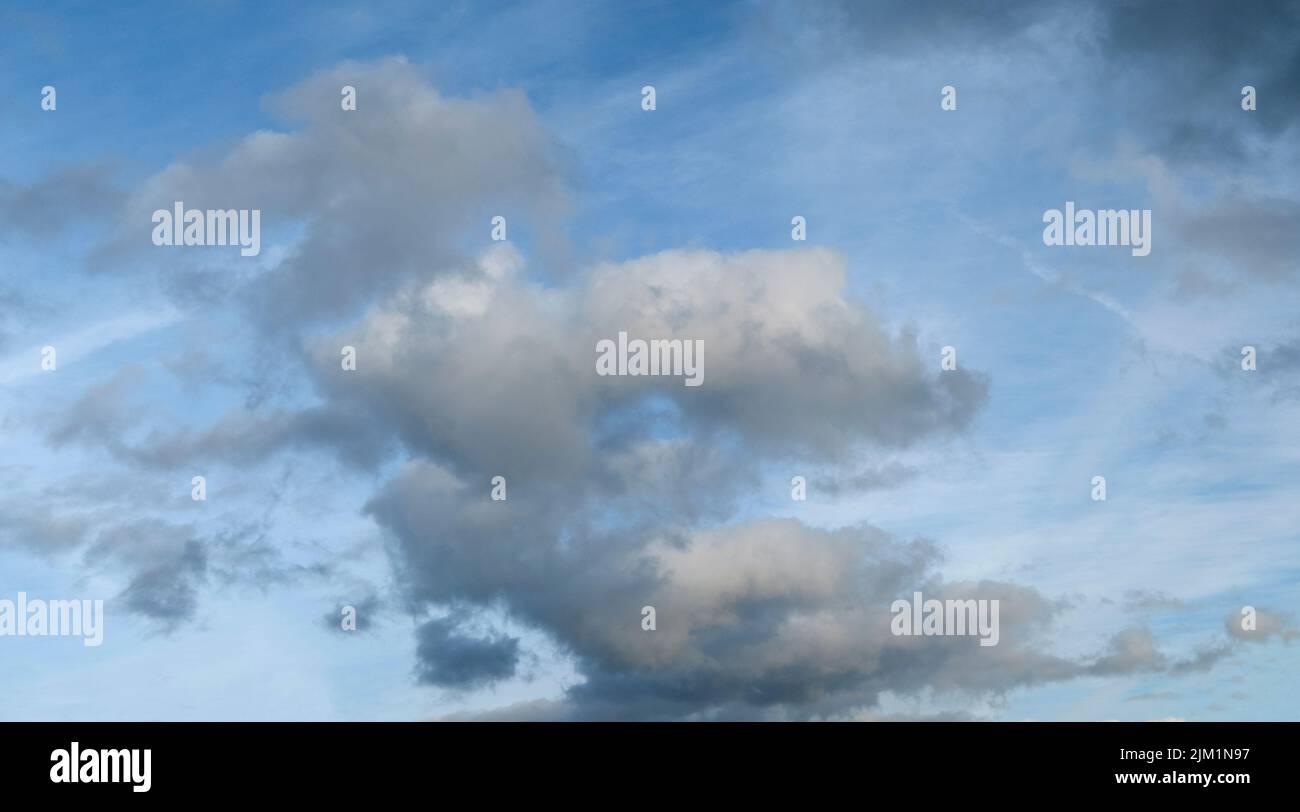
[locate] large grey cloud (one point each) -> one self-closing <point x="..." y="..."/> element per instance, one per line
<point x="624" y="491"/>
<point x="756" y="619"/>
<point x="612" y="482"/>
<point x="379" y="195"/>
<point x="499" y="371"/>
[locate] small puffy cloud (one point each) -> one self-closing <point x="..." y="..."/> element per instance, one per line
<point x="450" y="659"/>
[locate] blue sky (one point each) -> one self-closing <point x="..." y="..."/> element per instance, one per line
<point x="924" y="231"/>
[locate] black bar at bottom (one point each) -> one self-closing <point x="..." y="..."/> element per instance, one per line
<point x="620" y="763"/>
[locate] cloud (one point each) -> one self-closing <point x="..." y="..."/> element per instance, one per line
<point x="167" y="592"/>
<point x="623" y="491"/>
<point x="162" y="564"/>
<point x="496" y="374"/>
<point x="758" y="619"/>
<point x="69" y="196"/>
<point x="881" y="477"/>
<point x="450" y="659"/>
<point x="1201" y="57"/>
<point x="366" y="610"/>
<point x="108" y="413"/>
<point x="1146" y="599"/>
<point x="1268" y="624"/>
<point x="365" y="200"/>
<point x="49" y="533"/>
<point x="534" y="710"/>
<point x="1259" y="236"/>
<point x="1134" y="651"/>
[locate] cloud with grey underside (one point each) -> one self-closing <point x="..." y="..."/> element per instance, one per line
<point x="622" y="491"/>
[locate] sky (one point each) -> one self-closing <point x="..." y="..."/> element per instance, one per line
<point x="475" y="358"/>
